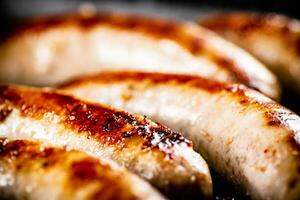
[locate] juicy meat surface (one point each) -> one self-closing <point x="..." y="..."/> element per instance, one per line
<point x="51" y="49"/>
<point x="33" y="170"/>
<point x="243" y="135"/>
<point x="163" y="157"/>
<point x="273" y="39"/>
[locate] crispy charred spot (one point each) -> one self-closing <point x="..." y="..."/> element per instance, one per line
<point x="13" y="149"/>
<point x="5" y="110"/>
<point x="161" y="137"/>
<point x="108" y="126"/>
<point x="9" y="95"/>
<point x="277" y="116"/>
<point x="284" y="118"/>
<point x="101" y="123"/>
<point x="3" y="143"/>
<point x="273" y="123"/>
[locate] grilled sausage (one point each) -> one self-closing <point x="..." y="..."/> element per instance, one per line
<point x="243" y="135"/>
<point x="50" y="50"/>
<point x="154" y="152"/>
<point x="274" y="39"/>
<point x="32" y="170"/>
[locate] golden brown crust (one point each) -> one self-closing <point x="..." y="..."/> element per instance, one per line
<point x="244" y="135"/>
<point x="176" y="31"/>
<point x="275" y="114"/>
<point x="25" y="151"/>
<point x="245" y="23"/>
<point x="144" y="147"/>
<point x="24" y="156"/>
<point x="106" y="125"/>
<point x="154" y="78"/>
<point x="4" y="112"/>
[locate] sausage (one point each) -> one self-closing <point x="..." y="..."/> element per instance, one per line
<point x="243" y="135"/>
<point x="32" y="170"/>
<point x="51" y="49"/>
<point x="161" y="156"/>
<point x="272" y="38"/>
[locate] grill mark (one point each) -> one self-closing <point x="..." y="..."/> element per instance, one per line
<point x="101" y="123"/>
<point x="156" y="28"/>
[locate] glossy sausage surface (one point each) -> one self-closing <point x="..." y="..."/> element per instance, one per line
<point x="51" y="49"/>
<point x="33" y="170"/>
<point x="272" y="38"/>
<point x="244" y="136"/>
<point x="154" y="152"/>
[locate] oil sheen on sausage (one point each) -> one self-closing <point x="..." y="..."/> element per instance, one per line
<point x="33" y="170"/>
<point x="273" y="39"/>
<point x="163" y="157"/>
<point x="243" y="135"/>
<point x="51" y="49"/>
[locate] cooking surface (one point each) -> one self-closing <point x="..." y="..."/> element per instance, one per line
<point x="15" y="10"/>
<point x="187" y="9"/>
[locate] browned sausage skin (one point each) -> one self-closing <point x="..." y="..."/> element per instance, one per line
<point x="52" y="49"/>
<point x="272" y="38"/>
<point x="245" y="136"/>
<point x="33" y="170"/>
<point x="154" y="152"/>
